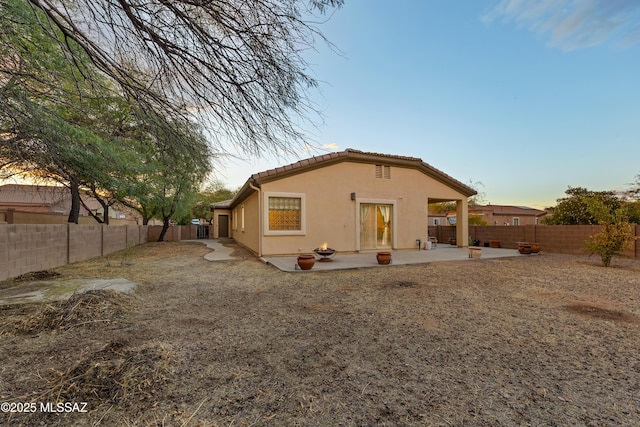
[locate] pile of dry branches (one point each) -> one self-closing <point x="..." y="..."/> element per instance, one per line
<point x="83" y="309"/>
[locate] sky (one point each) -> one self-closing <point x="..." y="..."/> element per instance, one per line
<point x="522" y="99"/>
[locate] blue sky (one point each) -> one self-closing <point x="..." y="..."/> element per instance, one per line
<point x="526" y="98"/>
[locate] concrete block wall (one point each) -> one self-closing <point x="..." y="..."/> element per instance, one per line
<point x="565" y="239"/>
<point x="133" y="235"/>
<point x="4" y="252"/>
<point x="143" y="233"/>
<point x="508" y="236"/>
<point x="85" y="242"/>
<point x="114" y="239"/>
<point x="25" y="248"/>
<point x="173" y="233"/>
<point x="19" y="217"/>
<point x="189" y="232"/>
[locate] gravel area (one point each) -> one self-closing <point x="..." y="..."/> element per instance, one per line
<point x="524" y="341"/>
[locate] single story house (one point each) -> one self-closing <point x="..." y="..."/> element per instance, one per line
<point x="36" y="198"/>
<point x="50" y="199"/>
<point x="350" y="200"/>
<point x="507" y="215"/>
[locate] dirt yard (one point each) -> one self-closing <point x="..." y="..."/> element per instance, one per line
<point x="541" y="340"/>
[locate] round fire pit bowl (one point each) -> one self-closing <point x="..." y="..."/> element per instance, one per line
<point x="325" y="254"/>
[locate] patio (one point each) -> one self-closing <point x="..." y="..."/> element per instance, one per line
<point x="368" y="259"/>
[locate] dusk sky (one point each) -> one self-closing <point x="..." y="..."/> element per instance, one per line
<point x="525" y="97"/>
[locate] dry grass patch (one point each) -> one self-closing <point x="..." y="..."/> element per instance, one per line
<point x="601" y="313"/>
<point x="28" y="277"/>
<point x="480" y="343"/>
<point x="117" y="374"/>
<point x="83" y="309"/>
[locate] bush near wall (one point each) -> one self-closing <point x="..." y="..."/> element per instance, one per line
<point x="564" y="239"/>
<point x="25" y="248"/>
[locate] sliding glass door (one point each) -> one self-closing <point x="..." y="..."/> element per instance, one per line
<point x="375" y="226"/>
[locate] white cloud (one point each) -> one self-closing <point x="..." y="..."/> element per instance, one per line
<point x="574" y="24"/>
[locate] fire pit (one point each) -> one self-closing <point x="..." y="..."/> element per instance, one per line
<point x="325" y="253"/>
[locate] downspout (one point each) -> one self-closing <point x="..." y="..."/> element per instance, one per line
<point x="260" y="218"/>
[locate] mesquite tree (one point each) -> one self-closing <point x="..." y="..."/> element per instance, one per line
<point x="237" y="66"/>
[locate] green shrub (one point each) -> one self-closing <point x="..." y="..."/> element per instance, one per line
<point x="615" y="236"/>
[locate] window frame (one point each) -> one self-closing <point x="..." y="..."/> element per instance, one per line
<point x="303" y="214"/>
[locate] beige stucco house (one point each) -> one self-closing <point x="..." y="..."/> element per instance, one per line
<point x="351" y="200"/>
<point x="508" y="215"/>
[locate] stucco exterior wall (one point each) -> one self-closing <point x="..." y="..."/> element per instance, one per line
<point x="333" y="217"/>
<point x="215" y="221"/>
<point x="247" y="232"/>
<point x="13" y="216"/>
<point x="502" y="219"/>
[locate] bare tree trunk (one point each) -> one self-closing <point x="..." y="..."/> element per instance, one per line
<point x="96" y="217"/>
<point x="74" y="214"/>
<point x="165" y="228"/>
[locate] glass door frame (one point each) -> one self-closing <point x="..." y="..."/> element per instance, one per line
<point x="394" y="220"/>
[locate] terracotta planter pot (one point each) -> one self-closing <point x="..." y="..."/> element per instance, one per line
<point x="524" y="248"/>
<point x="535" y="248"/>
<point x="494" y="243"/>
<point x="383" y="257"/>
<point x="306" y="261"/>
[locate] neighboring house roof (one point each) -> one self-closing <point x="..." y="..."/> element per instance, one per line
<point x="506" y="210"/>
<point x="350" y="155"/>
<point x="33" y="196"/>
<point x="224" y="204"/>
<point x="47" y="198"/>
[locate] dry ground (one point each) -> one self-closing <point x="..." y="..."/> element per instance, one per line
<point x="541" y="340"/>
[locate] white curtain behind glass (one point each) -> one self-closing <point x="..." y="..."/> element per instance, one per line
<point x="385" y="210"/>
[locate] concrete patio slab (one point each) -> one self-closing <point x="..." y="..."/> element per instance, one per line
<point x="368" y="259"/>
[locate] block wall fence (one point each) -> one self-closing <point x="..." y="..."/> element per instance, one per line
<point x="565" y="239"/>
<point x="25" y="248"/>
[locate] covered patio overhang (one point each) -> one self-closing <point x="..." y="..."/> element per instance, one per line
<point x="462" y="218"/>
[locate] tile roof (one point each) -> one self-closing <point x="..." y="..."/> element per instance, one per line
<point x="353" y="156"/>
<point x="508" y="210"/>
<point x="324" y="158"/>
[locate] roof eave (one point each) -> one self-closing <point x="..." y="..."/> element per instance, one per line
<point x="361" y="157"/>
<point x="245" y="191"/>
